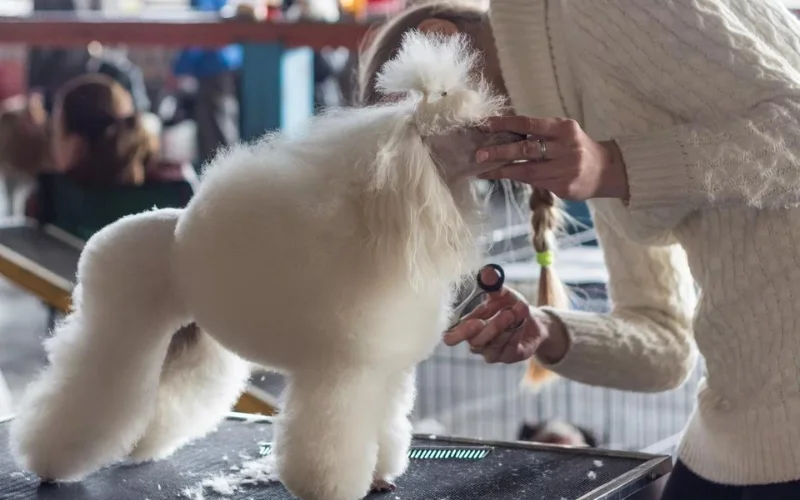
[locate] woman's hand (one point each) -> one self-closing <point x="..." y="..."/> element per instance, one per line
<point x="557" y="156"/>
<point x="505" y="329"/>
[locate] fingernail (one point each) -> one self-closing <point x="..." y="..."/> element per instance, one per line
<point x="482" y="156"/>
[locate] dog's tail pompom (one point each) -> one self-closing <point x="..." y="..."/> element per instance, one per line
<point x="441" y="71"/>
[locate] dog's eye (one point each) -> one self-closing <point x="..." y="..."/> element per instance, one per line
<point x="444" y="94"/>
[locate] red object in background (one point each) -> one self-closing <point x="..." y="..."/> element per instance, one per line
<point x="12" y="78"/>
<point x="385" y="7"/>
<point x="274" y="13"/>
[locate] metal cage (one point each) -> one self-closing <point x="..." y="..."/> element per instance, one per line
<point x="458" y="391"/>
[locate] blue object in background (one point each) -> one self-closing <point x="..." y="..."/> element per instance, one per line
<point x="277" y="88"/>
<point x="277" y="83"/>
<point x="200" y="62"/>
<point x="579" y="210"/>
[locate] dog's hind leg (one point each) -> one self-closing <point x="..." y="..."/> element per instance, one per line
<point x="326" y="442"/>
<point x="199" y="384"/>
<point x="395" y="431"/>
<point x="98" y="394"/>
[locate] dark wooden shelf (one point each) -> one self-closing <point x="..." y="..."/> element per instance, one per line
<point x="181" y="28"/>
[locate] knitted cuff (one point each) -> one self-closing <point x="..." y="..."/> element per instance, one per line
<point x="658" y="171"/>
<point x="585" y="355"/>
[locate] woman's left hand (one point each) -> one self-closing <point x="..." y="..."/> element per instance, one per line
<point x="557" y="156"/>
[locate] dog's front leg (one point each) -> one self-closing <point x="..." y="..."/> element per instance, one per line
<point x="394" y="435"/>
<point x="326" y="436"/>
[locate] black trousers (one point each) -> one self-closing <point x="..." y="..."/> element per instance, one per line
<point x="684" y="484"/>
<point x="216" y="114"/>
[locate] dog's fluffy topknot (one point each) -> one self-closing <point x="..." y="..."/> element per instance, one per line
<point x="441" y="71"/>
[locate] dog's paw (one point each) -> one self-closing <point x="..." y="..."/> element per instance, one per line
<point x="395" y="441"/>
<point x="150" y="450"/>
<point x="382" y="486"/>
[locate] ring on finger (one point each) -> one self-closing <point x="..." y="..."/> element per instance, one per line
<point x="542" y="150"/>
<point x="516" y="327"/>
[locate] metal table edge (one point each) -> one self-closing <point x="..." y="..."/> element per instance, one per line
<point x="632" y="481"/>
<point x="574" y="450"/>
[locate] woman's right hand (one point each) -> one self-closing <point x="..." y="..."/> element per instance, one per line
<point x="506" y="329"/>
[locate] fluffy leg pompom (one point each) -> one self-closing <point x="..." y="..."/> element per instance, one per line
<point x="326" y="442"/>
<point x="199" y="384"/>
<point x="95" y="399"/>
<point x="395" y="432"/>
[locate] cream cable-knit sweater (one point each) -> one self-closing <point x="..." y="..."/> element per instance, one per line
<point x="703" y="97"/>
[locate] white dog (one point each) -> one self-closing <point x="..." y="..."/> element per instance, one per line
<point x="328" y="255"/>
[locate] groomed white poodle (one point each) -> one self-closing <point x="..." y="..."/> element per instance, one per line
<point x="329" y="255"/>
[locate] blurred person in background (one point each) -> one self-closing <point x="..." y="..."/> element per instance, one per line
<point x="98" y="139"/>
<point x="24" y="147"/>
<point x="50" y="68"/>
<point x="215" y="74"/>
<point x="328" y="62"/>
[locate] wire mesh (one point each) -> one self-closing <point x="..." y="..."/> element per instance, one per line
<point x="468" y="397"/>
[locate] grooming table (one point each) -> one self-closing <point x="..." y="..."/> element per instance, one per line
<point x="440" y="468"/>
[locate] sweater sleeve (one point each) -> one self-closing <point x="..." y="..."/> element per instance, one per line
<point x="731" y="88"/>
<point x="645" y="343"/>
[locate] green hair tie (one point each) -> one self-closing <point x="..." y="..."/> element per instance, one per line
<point x="545" y="259"/>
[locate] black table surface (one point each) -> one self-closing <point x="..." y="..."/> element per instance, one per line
<point x="508" y="471"/>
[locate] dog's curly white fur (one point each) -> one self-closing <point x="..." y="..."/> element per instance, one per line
<point x="329" y="255"/>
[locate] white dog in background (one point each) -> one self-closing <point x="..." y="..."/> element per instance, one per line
<point x="329" y="256"/>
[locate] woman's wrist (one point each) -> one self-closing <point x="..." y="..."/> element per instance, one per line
<point x="556" y="344"/>
<point x="614" y="173"/>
